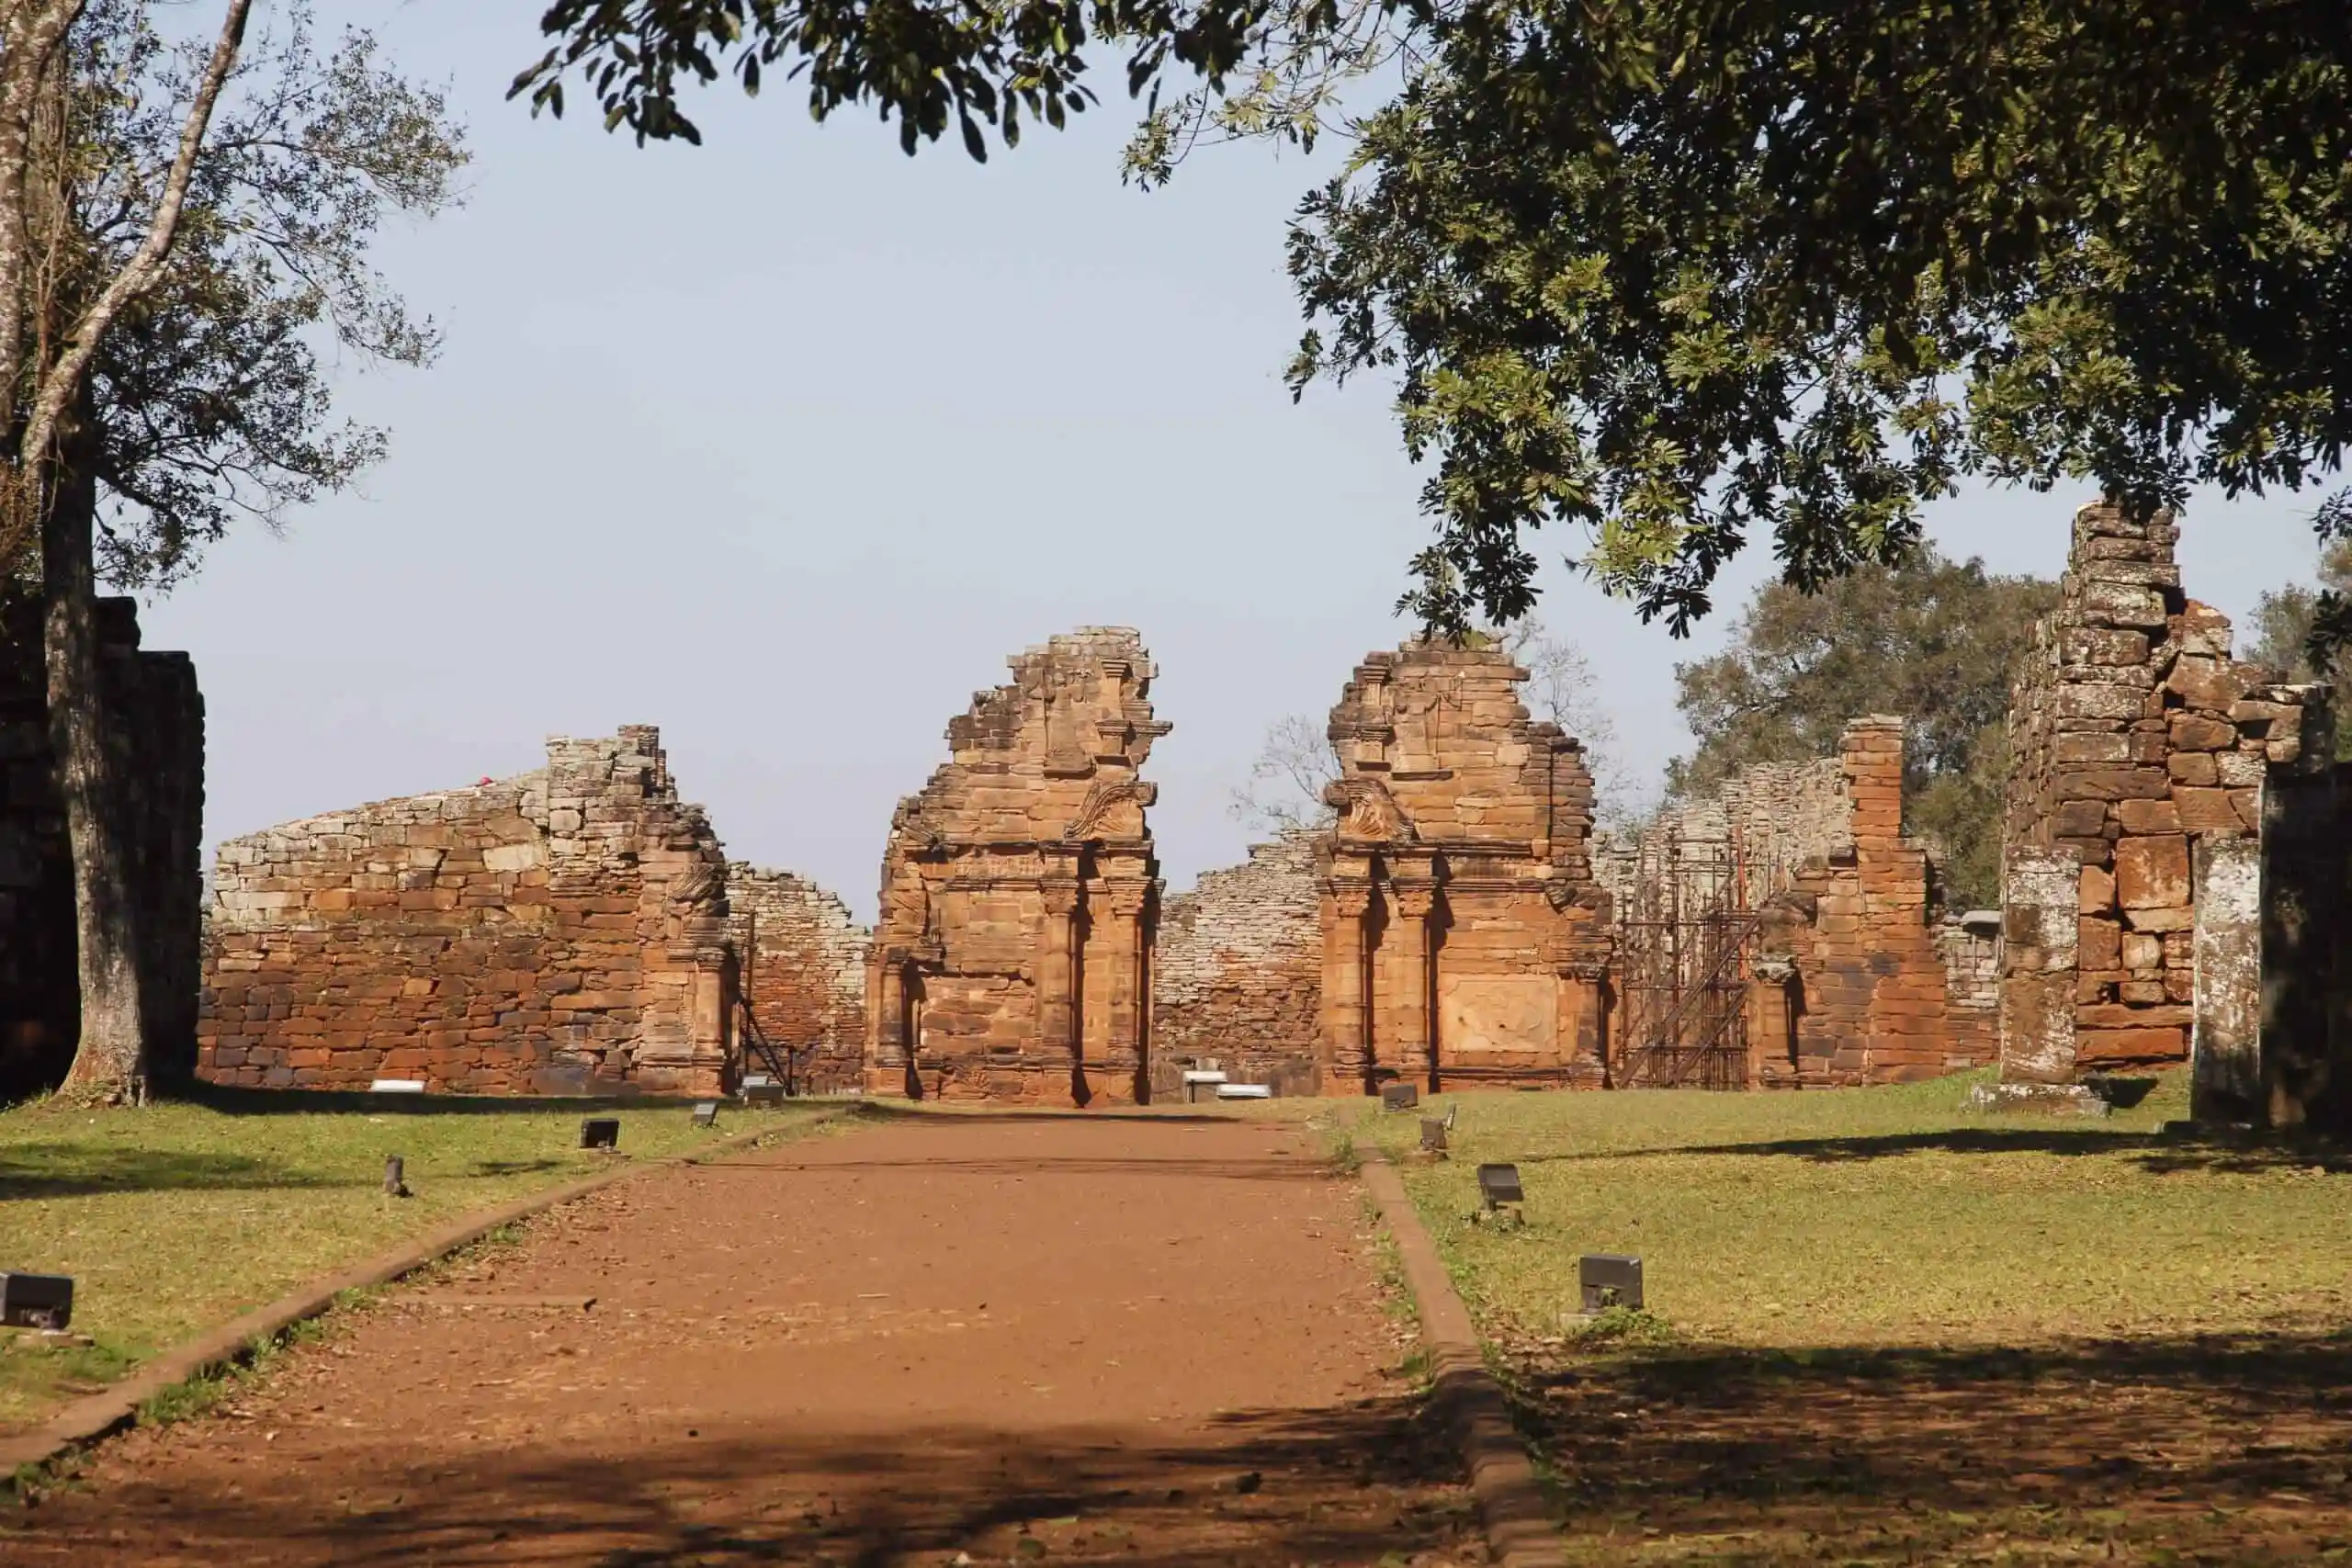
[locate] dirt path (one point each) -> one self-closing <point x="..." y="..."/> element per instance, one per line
<point x="941" y="1339"/>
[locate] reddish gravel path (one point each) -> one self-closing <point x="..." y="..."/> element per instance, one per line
<point x="1028" y="1338"/>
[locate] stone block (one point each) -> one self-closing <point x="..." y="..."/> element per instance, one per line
<point x="2206" y="811"/>
<point x="2151" y="873"/>
<point x="2202" y="732"/>
<point x="2097" y="890"/>
<point x="2140" y="818"/>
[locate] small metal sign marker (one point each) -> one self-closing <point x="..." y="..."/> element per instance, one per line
<point x="706" y="1114"/>
<point x="35" y="1301"/>
<point x="600" y="1133"/>
<point x="1609" y="1279"/>
<point x="1499" y="1184"/>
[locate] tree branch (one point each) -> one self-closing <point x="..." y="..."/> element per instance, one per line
<point x="61" y="382"/>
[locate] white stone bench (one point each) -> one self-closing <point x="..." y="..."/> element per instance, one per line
<point x="397" y="1086"/>
<point x="1244" y="1091"/>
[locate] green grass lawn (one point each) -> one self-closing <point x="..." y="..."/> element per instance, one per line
<point x="1886" y="1329"/>
<point x="175" y="1218"/>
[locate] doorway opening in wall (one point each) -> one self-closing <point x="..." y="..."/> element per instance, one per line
<point x="1685" y="950"/>
<point x="913" y="992"/>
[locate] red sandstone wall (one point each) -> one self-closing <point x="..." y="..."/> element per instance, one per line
<point x="803" y="963"/>
<point x="1238" y="973"/>
<point x="1875" y="1006"/>
<point x="559" y="932"/>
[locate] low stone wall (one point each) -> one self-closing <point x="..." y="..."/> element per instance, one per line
<point x="157" y="717"/>
<point x="803" y="966"/>
<point x="559" y="932"/>
<point x="1237" y="974"/>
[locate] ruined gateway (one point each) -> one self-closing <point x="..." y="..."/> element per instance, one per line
<point x="2175" y="866"/>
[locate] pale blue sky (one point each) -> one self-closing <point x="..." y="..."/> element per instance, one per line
<point x="784" y="442"/>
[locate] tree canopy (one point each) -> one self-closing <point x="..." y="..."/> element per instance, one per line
<point x="1933" y="640"/>
<point x="1685" y="271"/>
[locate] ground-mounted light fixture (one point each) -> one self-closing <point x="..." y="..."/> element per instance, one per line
<point x="1610" y="1279"/>
<point x="705" y="1113"/>
<point x="395" y="1177"/>
<point x="1432" y="1135"/>
<point x="600" y="1133"/>
<point x="761" y="1090"/>
<point x="1499" y="1185"/>
<point x="1400" y="1095"/>
<point x="35" y="1301"/>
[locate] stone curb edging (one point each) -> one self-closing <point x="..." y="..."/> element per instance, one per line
<point x="1519" y="1528"/>
<point x="88" y="1420"/>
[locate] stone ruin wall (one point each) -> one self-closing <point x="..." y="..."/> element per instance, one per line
<point x="559" y="932"/>
<point x="1019" y="892"/>
<point x="1850" y="982"/>
<point x="2140" y="749"/>
<point x="1871" y="991"/>
<point x="157" y="715"/>
<point x="1464" y="931"/>
<point x="1236" y="977"/>
<point x="802" y="964"/>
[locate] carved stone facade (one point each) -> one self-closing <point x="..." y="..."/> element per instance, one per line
<point x="559" y="932"/>
<point x="802" y="959"/>
<point x="1020" y="892"/>
<point x="158" y="733"/>
<point x="1237" y="976"/>
<point x="2139" y="746"/>
<point x="1465" y="940"/>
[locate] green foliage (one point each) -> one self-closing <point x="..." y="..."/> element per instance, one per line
<point x="1685" y="271"/>
<point x="927" y="62"/>
<point x="211" y="399"/>
<point x="1933" y="640"/>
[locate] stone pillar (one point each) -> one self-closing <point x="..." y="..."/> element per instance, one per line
<point x="1408" y="1048"/>
<point x="890" y="1014"/>
<point x="1771" y="1021"/>
<point x="2225" y="1043"/>
<point x="1586" y="982"/>
<point x="1125" y="1055"/>
<point x="2041" y="913"/>
<point x="1057" y="1013"/>
<point x="1344" y="1048"/>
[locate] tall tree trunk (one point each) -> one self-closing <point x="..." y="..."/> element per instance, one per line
<point x="111" y="1061"/>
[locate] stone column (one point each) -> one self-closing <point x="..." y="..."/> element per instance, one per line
<point x="1408" y="1044"/>
<point x="1343" y="986"/>
<point x="1124" y="1056"/>
<point x="1771" y="1021"/>
<point x="1587" y="985"/>
<point x="891" y="1012"/>
<point x="1058" y="1014"/>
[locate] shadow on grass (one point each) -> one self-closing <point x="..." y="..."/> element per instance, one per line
<point x="70" y="1169"/>
<point x="2157" y="1152"/>
<point x="1349" y="1485"/>
<point x="1851" y="1441"/>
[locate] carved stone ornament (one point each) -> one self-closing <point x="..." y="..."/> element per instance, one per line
<point x="1368" y="811"/>
<point x="1112" y="811"/>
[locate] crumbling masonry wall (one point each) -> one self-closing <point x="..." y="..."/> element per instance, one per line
<point x="1849" y="979"/>
<point x="1465" y="935"/>
<point x="2139" y="746"/>
<point x="156" y="721"/>
<point x="563" y="931"/>
<point x="1872" y="993"/>
<point x="1238" y="973"/>
<point x="1019" y="892"/>
<point x="802" y="961"/>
